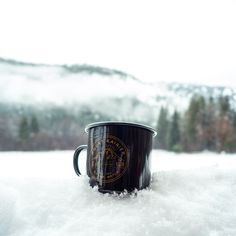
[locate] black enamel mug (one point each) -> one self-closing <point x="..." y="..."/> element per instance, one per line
<point x="118" y="156"/>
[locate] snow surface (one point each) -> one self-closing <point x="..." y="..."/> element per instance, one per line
<point x="191" y="194"/>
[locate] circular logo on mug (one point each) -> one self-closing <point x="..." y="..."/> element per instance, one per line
<point x="109" y="159"/>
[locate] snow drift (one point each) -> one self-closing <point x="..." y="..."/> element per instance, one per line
<point x="191" y="194"/>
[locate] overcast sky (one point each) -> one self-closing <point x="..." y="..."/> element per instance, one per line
<point x="176" y="40"/>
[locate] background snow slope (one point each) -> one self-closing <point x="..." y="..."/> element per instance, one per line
<point x="191" y="194"/>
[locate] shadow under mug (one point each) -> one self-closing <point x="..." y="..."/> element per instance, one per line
<point x="118" y="156"/>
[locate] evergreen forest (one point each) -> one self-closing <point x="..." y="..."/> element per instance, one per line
<point x="207" y="124"/>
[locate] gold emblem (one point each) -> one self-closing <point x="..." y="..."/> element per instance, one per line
<point x="109" y="160"/>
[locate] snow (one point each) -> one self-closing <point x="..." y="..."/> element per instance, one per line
<point x="53" y="85"/>
<point x="190" y="194"/>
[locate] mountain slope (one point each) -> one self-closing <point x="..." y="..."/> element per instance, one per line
<point x="102" y="90"/>
<point x="62" y="99"/>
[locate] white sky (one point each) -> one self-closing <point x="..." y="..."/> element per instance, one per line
<point x="192" y="41"/>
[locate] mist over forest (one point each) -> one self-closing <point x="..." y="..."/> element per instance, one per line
<point x="46" y="107"/>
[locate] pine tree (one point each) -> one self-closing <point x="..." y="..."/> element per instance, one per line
<point x="24" y="129"/>
<point x="210" y="129"/>
<point x="34" y="126"/>
<point x="162" y="128"/>
<point x="224" y="105"/>
<point x="191" y="120"/>
<point x="196" y="122"/>
<point x="225" y="125"/>
<point x="202" y="124"/>
<point x="174" y="133"/>
<point x="233" y="132"/>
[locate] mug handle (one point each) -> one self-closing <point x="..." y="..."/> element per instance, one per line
<point x="76" y="157"/>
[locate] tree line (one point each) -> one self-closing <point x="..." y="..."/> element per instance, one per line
<point x="52" y="128"/>
<point x="207" y="124"/>
<point x="33" y="134"/>
<point x="26" y="128"/>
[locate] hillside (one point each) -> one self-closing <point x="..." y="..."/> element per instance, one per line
<point x="64" y="98"/>
<point x="100" y="89"/>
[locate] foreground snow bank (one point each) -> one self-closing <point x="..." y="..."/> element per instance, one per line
<point x="190" y="195"/>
